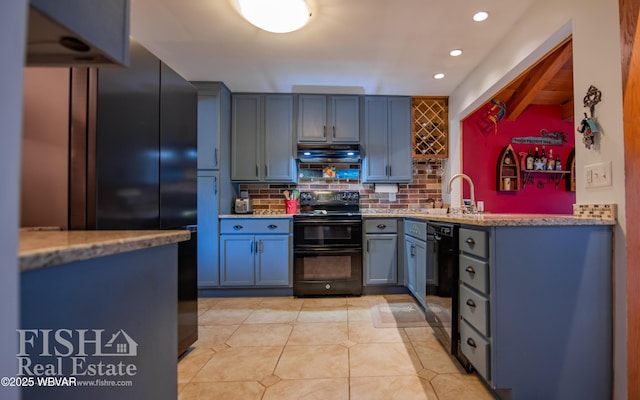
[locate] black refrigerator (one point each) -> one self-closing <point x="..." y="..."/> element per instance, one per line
<point x="133" y="157"/>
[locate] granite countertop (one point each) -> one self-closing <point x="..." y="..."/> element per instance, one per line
<point x="41" y="249"/>
<point x="270" y="215"/>
<point x="489" y="219"/>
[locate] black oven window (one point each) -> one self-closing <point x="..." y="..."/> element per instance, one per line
<point x="321" y="232"/>
<point x="326" y="268"/>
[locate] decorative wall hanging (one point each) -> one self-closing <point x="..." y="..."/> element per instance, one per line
<point x="496" y="112"/>
<point x="545" y="138"/>
<point x="588" y="126"/>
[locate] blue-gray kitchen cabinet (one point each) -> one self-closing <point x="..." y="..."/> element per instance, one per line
<point x="536" y="309"/>
<point x="255" y="252"/>
<point x="387" y="139"/>
<point x="208" y="232"/>
<point x="381" y="252"/>
<point x="214" y="113"/>
<point x="327" y="119"/>
<point x="415" y="258"/>
<point x="262" y="138"/>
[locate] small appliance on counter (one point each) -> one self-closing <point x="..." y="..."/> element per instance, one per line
<point x="244" y="206"/>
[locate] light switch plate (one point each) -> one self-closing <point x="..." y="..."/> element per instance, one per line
<point x="598" y="175"/>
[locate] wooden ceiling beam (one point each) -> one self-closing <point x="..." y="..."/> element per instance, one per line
<point x="537" y="80"/>
<point x="567" y="111"/>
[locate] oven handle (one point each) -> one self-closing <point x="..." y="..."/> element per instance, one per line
<point x="325" y="252"/>
<point x="316" y="221"/>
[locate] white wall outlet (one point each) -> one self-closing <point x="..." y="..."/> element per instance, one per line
<point x="392" y="197"/>
<point x="598" y="175"/>
<point x="244" y="194"/>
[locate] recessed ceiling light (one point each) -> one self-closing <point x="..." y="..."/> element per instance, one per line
<point x="480" y="16"/>
<point x="278" y="16"/>
<point x="439" y="75"/>
<point x="455" y="52"/>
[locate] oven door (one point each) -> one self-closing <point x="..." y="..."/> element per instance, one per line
<point x="327" y="232"/>
<point x="327" y="271"/>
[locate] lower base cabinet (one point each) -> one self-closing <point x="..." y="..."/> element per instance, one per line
<point x="536" y="309"/>
<point x="255" y="252"/>
<point x="415" y="258"/>
<point x="381" y="252"/>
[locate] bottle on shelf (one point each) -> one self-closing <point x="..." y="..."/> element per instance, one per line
<point x="543" y="159"/>
<point x="537" y="163"/>
<point x="551" y="163"/>
<point x="558" y="163"/>
<point x="529" y="163"/>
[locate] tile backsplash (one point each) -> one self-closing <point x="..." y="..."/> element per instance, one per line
<point x="425" y="187"/>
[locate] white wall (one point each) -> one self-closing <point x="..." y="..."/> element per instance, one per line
<point x="596" y="61"/>
<point x="13" y="21"/>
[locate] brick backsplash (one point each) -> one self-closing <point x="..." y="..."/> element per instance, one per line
<point x="424" y="188"/>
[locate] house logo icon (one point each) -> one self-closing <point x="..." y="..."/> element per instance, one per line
<point x="121" y="344"/>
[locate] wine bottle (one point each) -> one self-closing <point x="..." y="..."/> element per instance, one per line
<point x="537" y="165"/>
<point x="558" y="163"/>
<point x="543" y="159"/>
<point x="529" y="163"/>
<point x="551" y="164"/>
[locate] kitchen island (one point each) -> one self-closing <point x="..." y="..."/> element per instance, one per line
<point x="99" y="308"/>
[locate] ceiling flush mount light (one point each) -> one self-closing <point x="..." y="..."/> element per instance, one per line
<point x="439" y="75"/>
<point x="455" y="53"/>
<point x="277" y="16"/>
<point x="480" y="16"/>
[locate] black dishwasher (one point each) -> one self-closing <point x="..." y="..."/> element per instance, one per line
<point x="442" y="286"/>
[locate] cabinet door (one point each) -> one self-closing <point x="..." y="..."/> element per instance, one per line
<point x="345" y="119"/>
<point x="312" y="118"/>
<point x="421" y="272"/>
<point x="279" y="164"/>
<point x="208" y="131"/>
<point x="208" y="270"/>
<point x="272" y="260"/>
<point x="236" y="260"/>
<point x="246" y="125"/>
<point x="410" y="264"/>
<point x="399" y="133"/>
<point x="376" y="159"/>
<point x="381" y="266"/>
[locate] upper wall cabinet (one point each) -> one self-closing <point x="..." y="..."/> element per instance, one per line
<point x="327" y="119"/>
<point x="78" y="32"/>
<point x="387" y="139"/>
<point x="214" y="124"/>
<point x="430" y="118"/>
<point x="262" y="138"/>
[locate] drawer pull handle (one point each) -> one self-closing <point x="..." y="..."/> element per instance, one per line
<point x="470" y="270"/>
<point x="471" y="303"/>
<point x="272" y="226"/>
<point x="238" y="227"/>
<point x="381" y="226"/>
<point x="471" y="343"/>
<point x="470" y="241"/>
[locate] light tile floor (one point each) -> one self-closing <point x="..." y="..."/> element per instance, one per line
<point x="318" y="348"/>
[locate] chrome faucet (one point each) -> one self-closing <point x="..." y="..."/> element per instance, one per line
<point x="471" y="188"/>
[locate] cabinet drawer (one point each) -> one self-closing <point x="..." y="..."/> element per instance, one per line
<point x="476" y="348"/>
<point x="475" y="309"/>
<point x="388" y="225"/>
<point x="474" y="242"/>
<point x="474" y="273"/>
<point x="255" y="226"/>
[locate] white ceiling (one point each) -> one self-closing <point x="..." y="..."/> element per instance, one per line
<point x="388" y="47"/>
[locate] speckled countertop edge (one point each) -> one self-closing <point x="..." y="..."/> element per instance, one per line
<point x="497" y="219"/>
<point x="279" y="216"/>
<point x="42" y="249"/>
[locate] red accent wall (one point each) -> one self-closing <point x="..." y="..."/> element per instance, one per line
<point x="481" y="148"/>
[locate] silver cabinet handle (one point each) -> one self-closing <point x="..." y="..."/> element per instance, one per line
<point x="238" y="227"/>
<point x="324" y="131"/>
<point x="471" y="303"/>
<point x="471" y="342"/>
<point x="257" y="170"/>
<point x="253" y="247"/>
<point x="334" y="132"/>
<point x="215" y="186"/>
<point x="259" y="246"/>
<point x="266" y="169"/>
<point x="368" y="245"/>
<point x="272" y="226"/>
<point x="215" y="157"/>
<point x="413" y="251"/>
<point x="470" y="241"/>
<point x="470" y="270"/>
<point x="390" y="170"/>
<point x="381" y="226"/>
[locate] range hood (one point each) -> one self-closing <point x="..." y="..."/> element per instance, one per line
<point x="329" y="152"/>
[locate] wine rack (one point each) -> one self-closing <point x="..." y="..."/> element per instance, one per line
<point x="508" y="171"/>
<point x="430" y="116"/>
